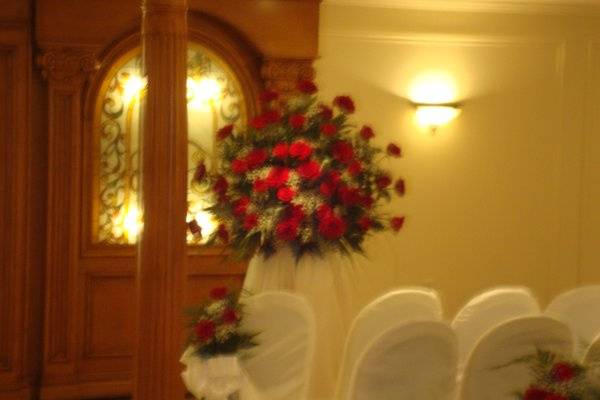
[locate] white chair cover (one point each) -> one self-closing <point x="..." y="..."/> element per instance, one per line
<point x="488" y="309"/>
<point x="411" y="361"/>
<point x="280" y="366"/>
<point x="580" y="309"/>
<point x="520" y="337"/>
<point x="592" y="361"/>
<point x="394" y="307"/>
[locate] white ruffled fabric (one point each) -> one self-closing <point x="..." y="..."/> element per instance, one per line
<point x="329" y="285"/>
<point x="214" y="378"/>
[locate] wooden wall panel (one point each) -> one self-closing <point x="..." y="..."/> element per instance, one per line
<point x="17" y="300"/>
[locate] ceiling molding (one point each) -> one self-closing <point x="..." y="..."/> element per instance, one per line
<point x="545" y="7"/>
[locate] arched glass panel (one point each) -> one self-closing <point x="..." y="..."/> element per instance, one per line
<point x="214" y="98"/>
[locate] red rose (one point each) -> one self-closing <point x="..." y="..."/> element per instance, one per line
<point x="287" y="229"/>
<point x="285" y="194"/>
<point x="400" y="187"/>
<point x="256" y="158"/>
<point x="221" y="185"/>
<point x="325" y="112"/>
<point x="307" y="87"/>
<point x="259" y="122"/>
<point x="396" y="223"/>
<point x="562" y="372"/>
<point x="394" y="150"/>
<point x="332" y="227"/>
<point x="268" y="96"/>
<point x="367" y="133"/>
<point x="354" y="168"/>
<point x="342" y="151"/>
<point x="205" y="330"/>
<point x="555" y="396"/>
<point x="280" y="151"/>
<point x="345" y="104"/>
<point x="366" y="201"/>
<point x="278" y="176"/>
<point x="194" y="227"/>
<point x="239" y="166"/>
<point x="349" y="197"/>
<point x="230" y="316"/>
<point x="219" y="293"/>
<point x="223" y="234"/>
<point x="241" y="205"/>
<point x="250" y="221"/>
<point x="272" y="116"/>
<point x="297" y="120"/>
<point x="324" y="211"/>
<point x="534" y="393"/>
<point x="260" y="185"/>
<point x="327" y="189"/>
<point x="365" y="223"/>
<point x="309" y="170"/>
<point x="296" y="212"/>
<point x="300" y="150"/>
<point x="200" y="172"/>
<point x="383" y="181"/>
<point x="224" y="132"/>
<point x="328" y="129"/>
<point x="334" y="177"/>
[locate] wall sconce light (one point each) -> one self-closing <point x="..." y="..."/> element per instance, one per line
<point x="433" y="116"/>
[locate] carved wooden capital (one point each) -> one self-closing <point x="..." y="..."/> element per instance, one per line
<point x="67" y="64"/>
<point x="282" y="75"/>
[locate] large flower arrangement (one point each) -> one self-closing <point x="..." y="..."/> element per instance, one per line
<point x="300" y="175"/>
<point x="215" y="325"/>
<point x="555" y="378"/>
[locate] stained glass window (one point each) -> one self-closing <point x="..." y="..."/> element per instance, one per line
<point x="214" y="99"/>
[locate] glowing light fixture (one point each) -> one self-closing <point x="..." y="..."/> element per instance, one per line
<point x="433" y="116"/>
<point x="201" y="92"/>
<point x="206" y="221"/>
<point x="132" y="88"/>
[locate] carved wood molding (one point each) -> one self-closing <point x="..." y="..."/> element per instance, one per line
<point x="67" y="65"/>
<point x="282" y="75"/>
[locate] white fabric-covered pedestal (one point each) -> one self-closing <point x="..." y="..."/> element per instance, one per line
<point x="329" y="285"/>
<point x="215" y="378"/>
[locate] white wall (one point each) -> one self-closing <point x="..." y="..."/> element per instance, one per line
<point x="508" y="193"/>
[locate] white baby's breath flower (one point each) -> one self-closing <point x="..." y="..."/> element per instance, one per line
<point x="216" y="308"/>
<point x="224" y="332"/>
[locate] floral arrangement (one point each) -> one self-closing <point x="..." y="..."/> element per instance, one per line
<point x="300" y="175"/>
<point x="555" y="378"/>
<point x="215" y="326"/>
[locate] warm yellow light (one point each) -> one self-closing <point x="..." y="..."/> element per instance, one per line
<point x="206" y="221"/>
<point x="132" y="223"/>
<point x="201" y="92"/>
<point x="132" y="88"/>
<point x="433" y="87"/>
<point x="434" y="116"/>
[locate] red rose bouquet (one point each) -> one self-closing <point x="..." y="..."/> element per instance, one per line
<point x="215" y="326"/>
<point x="556" y="379"/>
<point x="301" y="176"/>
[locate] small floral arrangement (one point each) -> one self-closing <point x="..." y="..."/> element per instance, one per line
<point x="215" y="326"/>
<point x="555" y="378"/>
<point x="299" y="175"/>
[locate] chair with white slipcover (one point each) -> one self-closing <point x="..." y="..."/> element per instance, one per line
<point x="280" y="366"/>
<point x="591" y="360"/>
<point x="501" y="346"/>
<point x="580" y="309"/>
<point x="400" y="305"/>
<point x="488" y="309"/>
<point x="409" y="361"/>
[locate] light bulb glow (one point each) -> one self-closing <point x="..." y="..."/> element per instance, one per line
<point x="201" y="92"/>
<point x="433" y="87"/>
<point x="132" y="88"/>
<point x="433" y="116"/>
<point x="206" y="221"/>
